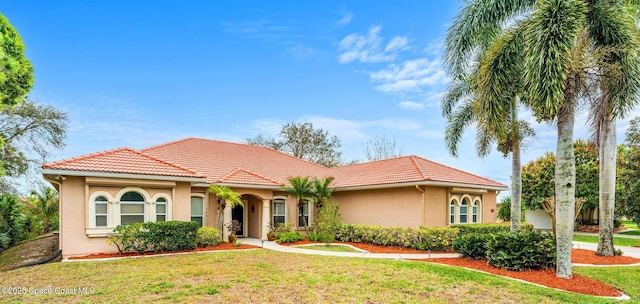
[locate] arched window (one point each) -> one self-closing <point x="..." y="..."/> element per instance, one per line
<point x="161" y="209"/>
<point x="279" y="211"/>
<point x="464" y="210"/>
<point x="131" y="208"/>
<point x="100" y="205"/>
<point x="452" y="211"/>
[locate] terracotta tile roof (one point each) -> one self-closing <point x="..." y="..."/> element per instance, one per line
<point x="242" y="176"/>
<point x="233" y="163"/>
<point x="219" y="159"/>
<point x="405" y="169"/>
<point x="122" y="160"/>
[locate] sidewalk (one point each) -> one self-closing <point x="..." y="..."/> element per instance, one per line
<point x="628" y="251"/>
<point x="394" y="256"/>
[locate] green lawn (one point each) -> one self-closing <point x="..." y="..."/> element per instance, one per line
<point x="630" y="224"/>
<point x="275" y="277"/>
<point x="618" y="241"/>
<point x="631" y="232"/>
<point x="332" y="247"/>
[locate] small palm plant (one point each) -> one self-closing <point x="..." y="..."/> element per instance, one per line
<point x="44" y="203"/>
<point x="301" y="187"/>
<point x="225" y="196"/>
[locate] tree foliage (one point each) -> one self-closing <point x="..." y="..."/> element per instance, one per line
<point x="30" y="129"/>
<point x="16" y="72"/>
<point x="302" y="140"/>
<point x="628" y="187"/>
<point x="381" y="147"/>
<point x="226" y="197"/>
<point x="12" y="222"/>
<point x="538" y="176"/>
<point x="43" y="203"/>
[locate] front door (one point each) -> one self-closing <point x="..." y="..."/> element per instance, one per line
<point x="237" y="213"/>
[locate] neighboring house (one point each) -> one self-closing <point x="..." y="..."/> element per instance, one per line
<point x="169" y="182"/>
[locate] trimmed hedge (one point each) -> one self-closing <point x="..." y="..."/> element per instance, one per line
<point x="289" y="237"/>
<point x="154" y="237"/>
<point x="489" y="228"/>
<point x="522" y="250"/>
<point x="423" y="238"/>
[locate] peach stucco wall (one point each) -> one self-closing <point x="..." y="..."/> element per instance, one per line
<point x="73" y="238"/>
<point x="386" y="207"/>
<point x="435" y="207"/>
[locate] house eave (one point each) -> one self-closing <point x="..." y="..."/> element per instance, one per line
<point x="421" y="183"/>
<point x="232" y="185"/>
<point x="58" y="172"/>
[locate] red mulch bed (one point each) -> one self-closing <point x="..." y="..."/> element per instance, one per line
<point x="577" y="284"/>
<point x="221" y="246"/>
<point x="367" y="247"/>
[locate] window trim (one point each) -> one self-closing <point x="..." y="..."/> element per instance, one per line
<point x="477" y="203"/>
<point x="453" y="202"/>
<point x="204" y="207"/>
<point x="467" y="203"/>
<point x="309" y="214"/>
<point x="169" y="207"/>
<point x="118" y="214"/>
<point x="273" y="209"/>
<point x="91" y="219"/>
<point x="456" y="200"/>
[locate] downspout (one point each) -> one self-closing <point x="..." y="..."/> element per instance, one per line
<point x="423" y="205"/>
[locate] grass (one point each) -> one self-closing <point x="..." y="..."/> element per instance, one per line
<point x="631" y="232"/>
<point x="34" y="250"/>
<point x="332" y="247"/>
<point x="626" y="279"/>
<point x="266" y="276"/>
<point x="630" y="224"/>
<point x="618" y="241"/>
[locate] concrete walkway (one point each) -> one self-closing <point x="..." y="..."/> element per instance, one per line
<point x="627" y="251"/>
<point x="394" y="256"/>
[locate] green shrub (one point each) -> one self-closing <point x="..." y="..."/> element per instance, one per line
<point x="473" y="246"/>
<point x="315" y="236"/>
<point x="522" y="250"/>
<point x="436" y="239"/>
<point x="328" y="222"/>
<point x="208" y="236"/>
<point x="289" y="237"/>
<point x="150" y="236"/>
<point x="617" y="223"/>
<point x="489" y="228"/>
<point x="423" y="238"/>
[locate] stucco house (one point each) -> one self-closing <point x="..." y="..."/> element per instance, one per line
<point x="169" y="182"/>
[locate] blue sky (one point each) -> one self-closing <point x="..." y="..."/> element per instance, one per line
<point x="140" y="73"/>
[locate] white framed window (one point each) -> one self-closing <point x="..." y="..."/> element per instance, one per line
<point x="453" y="204"/>
<point x="161" y="209"/>
<point x="132" y="208"/>
<point x="100" y="205"/>
<point x="279" y="211"/>
<point x="464" y="211"/>
<point x="197" y="209"/>
<point x="477" y="210"/>
<point x="305" y="216"/>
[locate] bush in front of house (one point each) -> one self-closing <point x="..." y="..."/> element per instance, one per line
<point x="289" y="237"/>
<point x="473" y="246"/>
<point x="423" y="238"/>
<point x="154" y="237"/>
<point x="489" y="228"/>
<point x="208" y="236"/>
<point x="521" y="251"/>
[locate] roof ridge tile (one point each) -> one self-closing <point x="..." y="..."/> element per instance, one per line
<point x="168" y="163"/>
<point x="83" y="157"/>
<point x="462" y="171"/>
<point x="425" y="176"/>
<point x="238" y="170"/>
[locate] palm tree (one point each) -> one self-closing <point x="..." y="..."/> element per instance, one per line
<point x="225" y="197"/>
<point x="509" y="133"/>
<point x="548" y="35"/>
<point x="618" y="96"/>
<point x="44" y="203"/>
<point x="302" y="188"/>
<point x="322" y="191"/>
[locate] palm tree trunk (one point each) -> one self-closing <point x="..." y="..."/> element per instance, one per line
<point x="607" y="185"/>
<point x="516" y="188"/>
<point x="565" y="180"/>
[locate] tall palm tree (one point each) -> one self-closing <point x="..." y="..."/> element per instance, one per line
<point x="508" y="133"/>
<point x="44" y="203"/>
<point x="620" y="62"/>
<point x="226" y="197"/>
<point x="322" y="190"/>
<point x="547" y="35"/>
<point x="302" y="188"/>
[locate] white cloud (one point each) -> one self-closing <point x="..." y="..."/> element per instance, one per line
<point x="368" y="48"/>
<point x="411" y="105"/>
<point x="345" y="18"/>
<point x="411" y="75"/>
<point x="397" y="43"/>
<point x="345" y="129"/>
